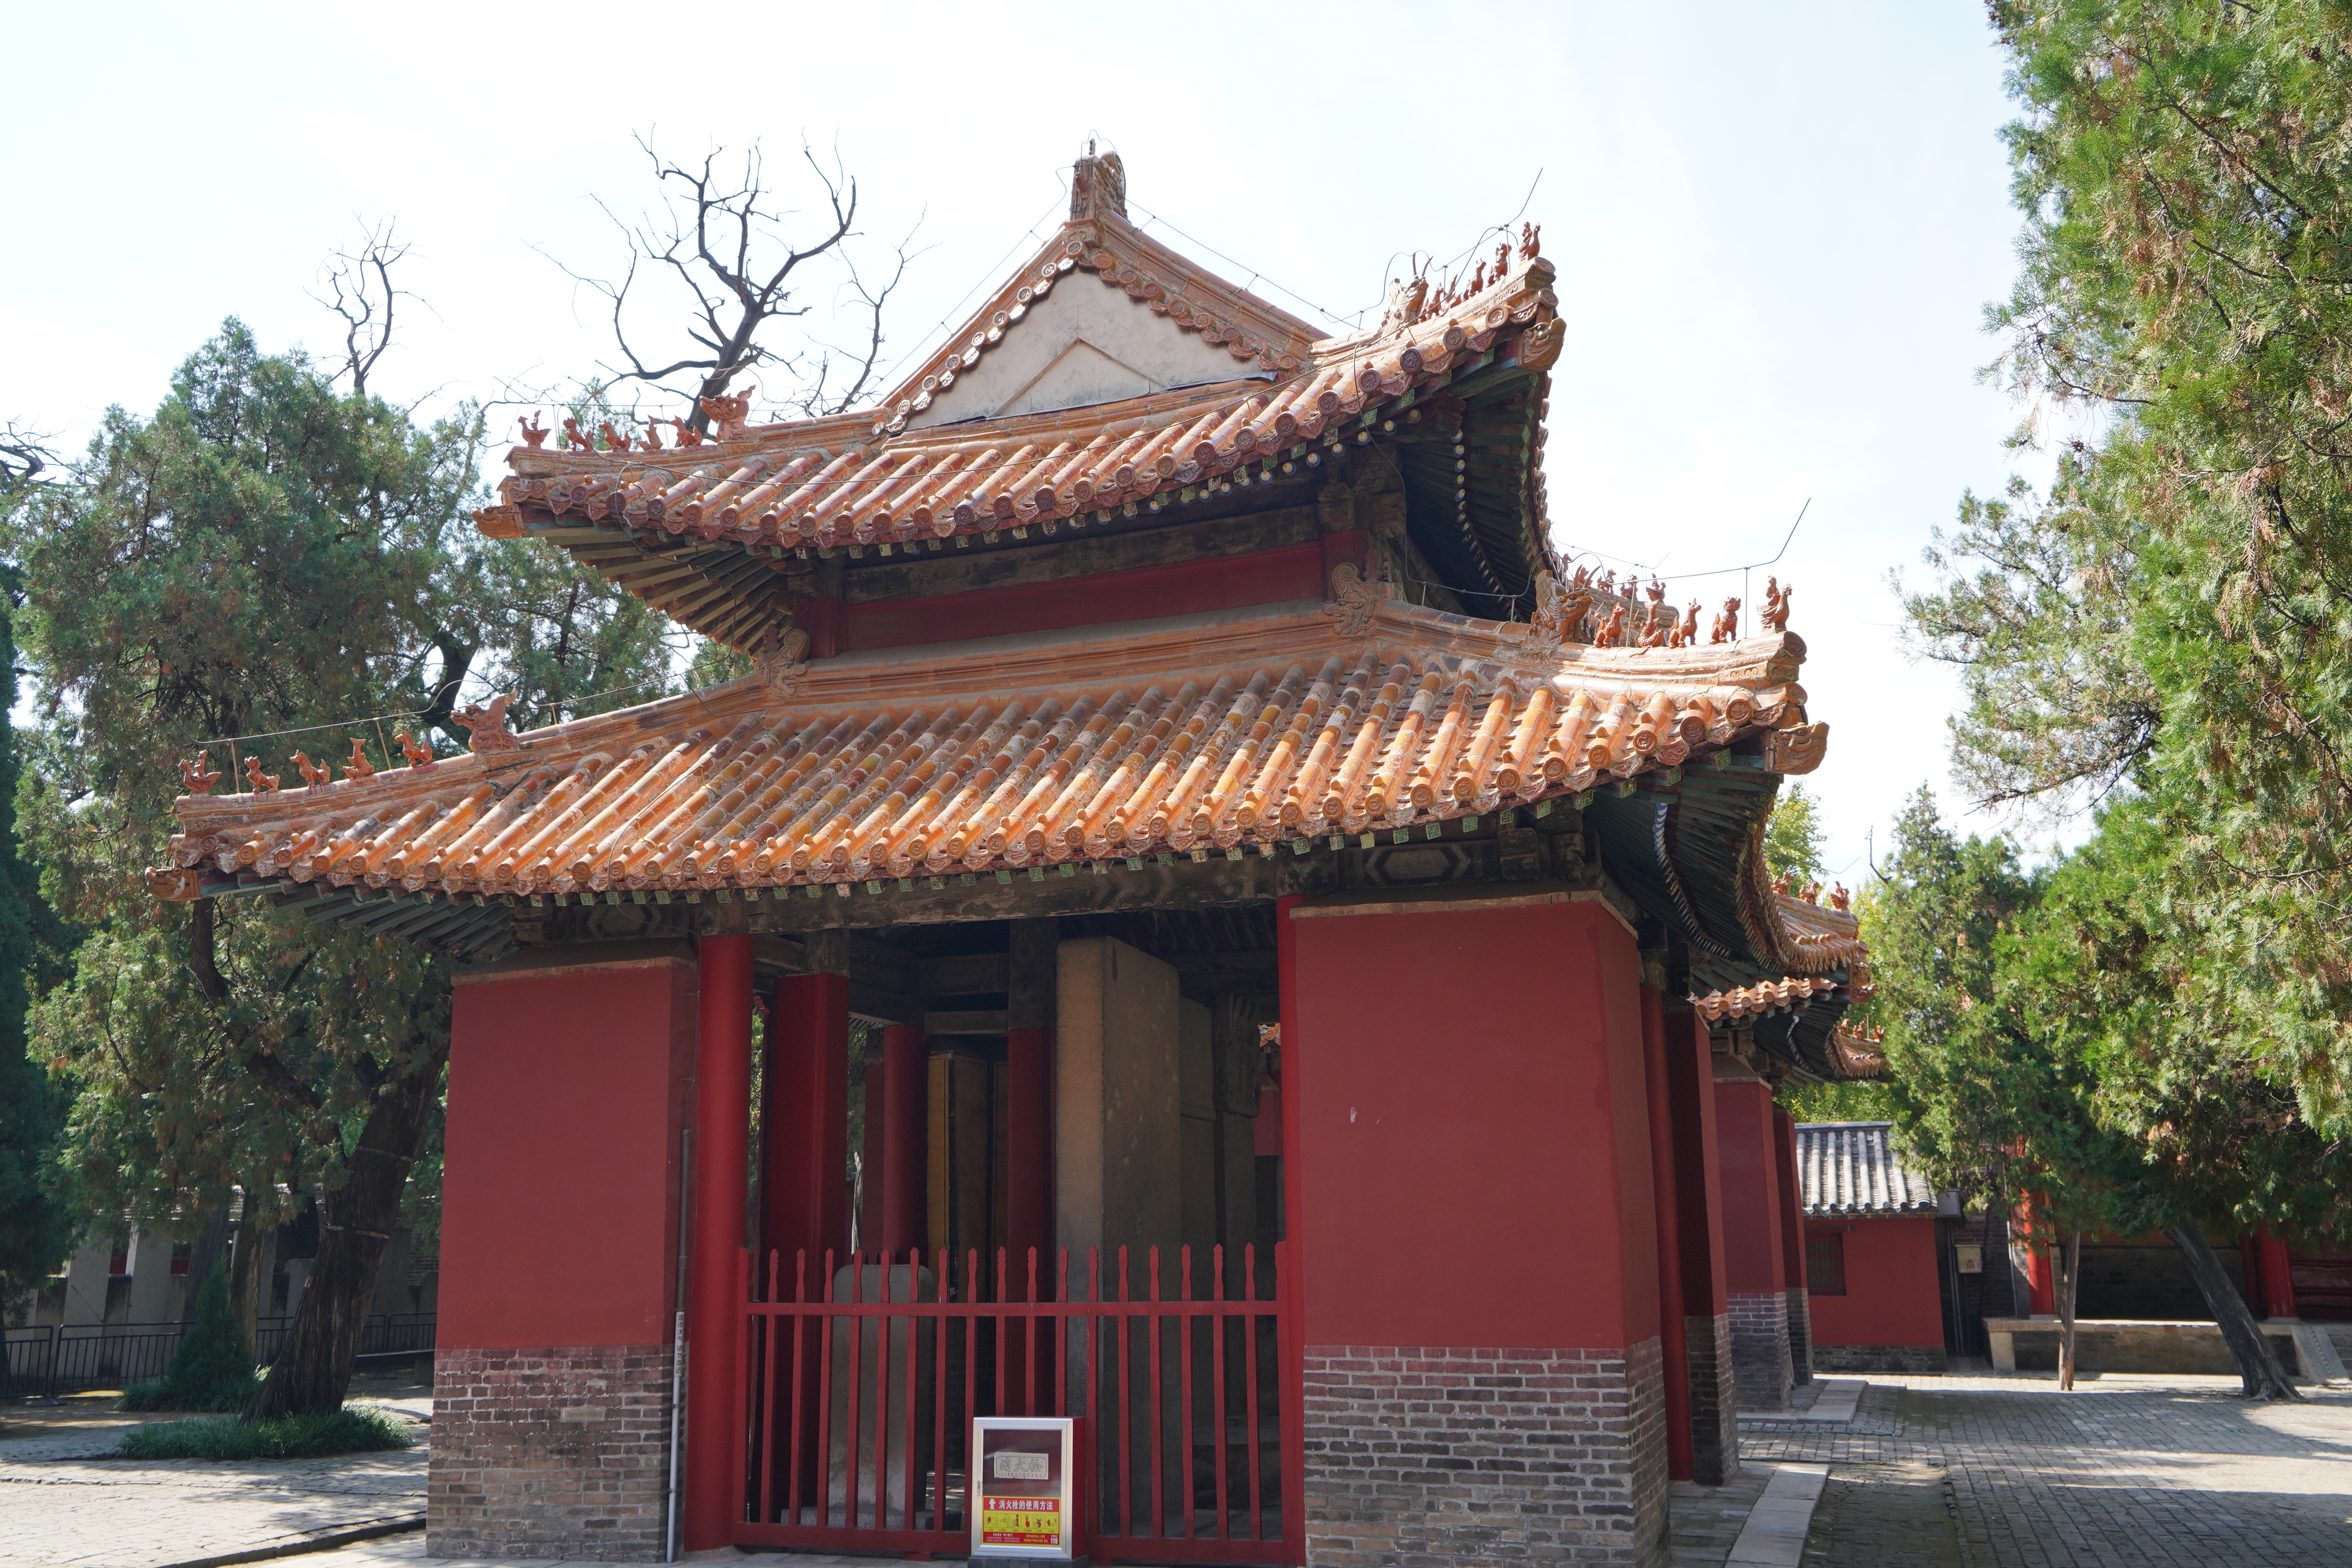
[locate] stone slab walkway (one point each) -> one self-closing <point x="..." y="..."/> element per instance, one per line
<point x="63" y="1504"/>
<point x="2126" y="1472"/>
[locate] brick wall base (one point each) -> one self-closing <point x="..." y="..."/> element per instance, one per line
<point x="1714" y="1401"/>
<point x="1430" y="1456"/>
<point x="1759" y="1349"/>
<point x="1881" y="1358"/>
<point x="558" y="1453"/>
<point x="1801" y="1337"/>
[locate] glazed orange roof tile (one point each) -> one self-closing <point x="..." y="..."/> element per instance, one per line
<point x="1217" y="732"/>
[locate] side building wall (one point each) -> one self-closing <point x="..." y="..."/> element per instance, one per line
<point x="1472" y="1234"/>
<point x="569" y="1085"/>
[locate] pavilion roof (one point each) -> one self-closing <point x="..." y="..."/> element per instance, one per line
<point x="1801" y="1017"/>
<point x="705" y="533"/>
<point x="1229" y="731"/>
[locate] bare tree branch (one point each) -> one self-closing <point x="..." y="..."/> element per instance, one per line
<point x="25" y="457"/>
<point x="360" y="290"/>
<point x="739" y="264"/>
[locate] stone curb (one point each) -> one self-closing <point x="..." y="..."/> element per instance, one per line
<point x="324" y="1540"/>
<point x="1774" y="1535"/>
<point x="1835" y="1406"/>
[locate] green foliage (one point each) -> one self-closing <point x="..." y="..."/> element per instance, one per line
<point x="2174" y="619"/>
<point x="268" y="557"/>
<point x="1793" y="837"/>
<point x="1868" y="1099"/>
<point x="353" y="1429"/>
<point x="36" y="1229"/>
<point x="212" y="1367"/>
<point x="2051" y="1032"/>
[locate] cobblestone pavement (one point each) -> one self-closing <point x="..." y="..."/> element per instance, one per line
<point x="1902" y="1515"/>
<point x="63" y="1505"/>
<point x="2178" y="1472"/>
<point x="1706" y="1520"/>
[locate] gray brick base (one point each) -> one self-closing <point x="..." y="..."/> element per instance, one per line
<point x="549" y="1453"/>
<point x="1759" y="1349"/>
<point x="1423" y="1456"/>
<point x="1801" y="1337"/>
<point x="1881" y="1358"/>
<point x="1714" y="1401"/>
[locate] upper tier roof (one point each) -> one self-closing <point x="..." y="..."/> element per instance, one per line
<point x="704" y="533"/>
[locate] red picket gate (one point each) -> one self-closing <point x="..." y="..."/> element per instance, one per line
<point x="858" y="1392"/>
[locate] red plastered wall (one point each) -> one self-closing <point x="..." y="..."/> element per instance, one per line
<point x="1891" y="1295"/>
<point x="1179" y="588"/>
<point x="559" y="1210"/>
<point x="1751" y="1188"/>
<point x="1472" y="1145"/>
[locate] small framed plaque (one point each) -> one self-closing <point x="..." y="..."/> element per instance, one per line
<point x="1026" y="1496"/>
<point x="1968" y="1258"/>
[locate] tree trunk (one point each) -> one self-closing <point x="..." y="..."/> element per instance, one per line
<point x="313" y="1369"/>
<point x="2070" y="1285"/>
<point x="245" y="1273"/>
<point x="2265" y="1378"/>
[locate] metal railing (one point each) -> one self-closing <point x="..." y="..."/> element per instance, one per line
<point x="44" y="1361"/>
<point x="859" y="1391"/>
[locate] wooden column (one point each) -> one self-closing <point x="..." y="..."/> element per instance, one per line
<point x="805" y="1126"/>
<point x="2278" y="1277"/>
<point x="1029" y="1100"/>
<point x="714" y="1490"/>
<point x="1792" y="1247"/>
<point x="1754" y="1284"/>
<point x="901" y="1179"/>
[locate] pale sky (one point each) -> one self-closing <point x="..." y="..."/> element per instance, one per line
<point x="1777" y="227"/>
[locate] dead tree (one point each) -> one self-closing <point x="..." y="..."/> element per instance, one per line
<point x="25" y="457"/>
<point x="360" y="289"/>
<point x="742" y="268"/>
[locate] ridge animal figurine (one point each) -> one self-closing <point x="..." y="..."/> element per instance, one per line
<point x="614" y="440"/>
<point x="1654" y="633"/>
<point x="688" y="435"/>
<point x="534" y="433"/>
<point x="262" y="782"/>
<point x="313" y="776"/>
<point x="1726" y="623"/>
<point x="576" y="439"/>
<point x="419" y="756"/>
<point x="359" y="767"/>
<point x="1776" y="605"/>
<point x="1612" y="630"/>
<point x="199" y="778"/>
<point x="486" y="725"/>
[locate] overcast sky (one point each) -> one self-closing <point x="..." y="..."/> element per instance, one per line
<point x="1776" y="227"/>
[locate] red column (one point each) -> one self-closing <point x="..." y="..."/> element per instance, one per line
<point x="2278" y="1277"/>
<point x="805" y="1127"/>
<point x="2039" y="1281"/>
<point x="1751" y="1195"/>
<point x="900" y="1211"/>
<point x="1792" y="1199"/>
<point x="1028" y="1157"/>
<point x="1290" y="1274"/>
<point x="1698" y="1188"/>
<point x="722" y="1135"/>
<point x="1672" y="1340"/>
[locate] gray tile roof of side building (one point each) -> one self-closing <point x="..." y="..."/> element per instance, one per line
<point x="1851" y="1168"/>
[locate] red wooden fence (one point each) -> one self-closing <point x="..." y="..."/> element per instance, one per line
<point x="859" y="1387"/>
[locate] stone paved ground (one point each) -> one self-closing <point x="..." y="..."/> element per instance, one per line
<point x="2175" y="1472"/>
<point x="63" y="1505"/>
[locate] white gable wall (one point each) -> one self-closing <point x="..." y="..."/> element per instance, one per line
<point x="1083" y="344"/>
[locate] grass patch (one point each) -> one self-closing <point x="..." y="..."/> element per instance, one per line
<point x="230" y="1391"/>
<point x="351" y="1430"/>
